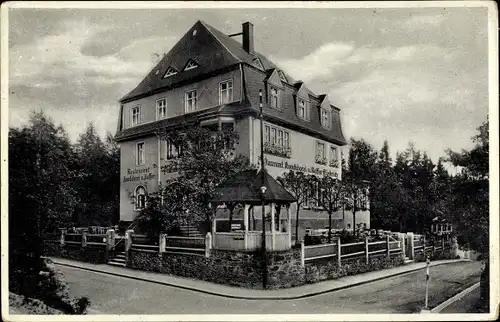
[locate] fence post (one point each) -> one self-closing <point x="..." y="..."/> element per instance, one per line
<point x="84" y="239"/>
<point x="162" y="244"/>
<point x="339" y="252"/>
<point x="442" y="245"/>
<point x="366" y="250"/>
<point x="387" y="238"/>
<point x="128" y="243"/>
<point x="208" y="244"/>
<point x="302" y="253"/>
<point x="425" y="247"/>
<point x="411" y="246"/>
<point x="63" y="233"/>
<point x="402" y="243"/>
<point x="110" y="241"/>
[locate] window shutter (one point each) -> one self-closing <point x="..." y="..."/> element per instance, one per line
<point x="308" y="111"/>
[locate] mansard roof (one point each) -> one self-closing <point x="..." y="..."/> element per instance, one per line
<point x="211" y="49"/>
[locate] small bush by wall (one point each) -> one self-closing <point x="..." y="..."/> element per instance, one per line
<point x="438" y="255"/>
<point x="91" y="253"/>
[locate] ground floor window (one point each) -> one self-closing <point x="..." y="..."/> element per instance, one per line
<point x="140" y="198"/>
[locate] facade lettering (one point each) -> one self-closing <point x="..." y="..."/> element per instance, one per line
<point x="300" y="168"/>
<point x="138" y="175"/>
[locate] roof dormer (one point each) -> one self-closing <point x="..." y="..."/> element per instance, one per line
<point x="191" y="64"/>
<point x="257" y="63"/>
<point x="325" y="112"/>
<point x="274" y="79"/>
<point x="170" y="72"/>
<point x="282" y="76"/>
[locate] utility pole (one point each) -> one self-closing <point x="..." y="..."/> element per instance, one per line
<point x="263" y="189"/>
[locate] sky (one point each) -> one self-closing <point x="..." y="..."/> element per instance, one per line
<point x="401" y="75"/>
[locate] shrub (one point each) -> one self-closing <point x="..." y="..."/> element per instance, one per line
<point x="312" y="240"/>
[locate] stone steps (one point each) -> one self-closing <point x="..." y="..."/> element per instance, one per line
<point x="118" y="260"/>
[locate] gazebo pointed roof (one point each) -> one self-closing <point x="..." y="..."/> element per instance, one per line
<point x="244" y="187"/>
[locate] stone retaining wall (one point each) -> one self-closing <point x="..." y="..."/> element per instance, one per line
<point x="327" y="269"/>
<point x="91" y="253"/>
<point x="224" y="267"/>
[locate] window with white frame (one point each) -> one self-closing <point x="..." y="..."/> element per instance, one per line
<point x="191" y="100"/>
<point x="334" y="159"/>
<point x="140" y="153"/>
<point x="140" y="198"/>
<point x="286" y="140"/>
<point x="136" y="115"/>
<point x="191" y="65"/>
<point x="301" y="112"/>
<point x="325" y="118"/>
<point x="171" y="150"/>
<point x="320" y="153"/>
<point x="161" y="108"/>
<point x="277" y="141"/>
<point x="226" y="92"/>
<point x="170" y="72"/>
<point x="280" y="137"/>
<point x="274" y="97"/>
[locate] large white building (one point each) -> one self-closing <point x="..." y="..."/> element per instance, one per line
<point x="216" y="79"/>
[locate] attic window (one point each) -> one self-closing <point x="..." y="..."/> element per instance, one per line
<point x="191" y="65"/>
<point x="170" y="72"/>
<point x="282" y="76"/>
<point x="257" y="63"/>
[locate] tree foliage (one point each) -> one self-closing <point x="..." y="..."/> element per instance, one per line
<point x="42" y="198"/>
<point x="206" y="157"/>
<point x="298" y="184"/>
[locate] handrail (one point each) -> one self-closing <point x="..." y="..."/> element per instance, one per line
<point x="352" y="244"/>
<point x="122" y="239"/>
<point x="185" y="237"/>
<point x="320" y="245"/>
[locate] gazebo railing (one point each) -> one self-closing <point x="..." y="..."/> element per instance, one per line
<point x="251" y="240"/>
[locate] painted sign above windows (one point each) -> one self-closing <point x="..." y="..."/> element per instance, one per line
<point x="300" y="168"/>
<point x="139" y="174"/>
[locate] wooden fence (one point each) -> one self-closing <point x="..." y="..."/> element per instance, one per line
<point x="350" y="250"/>
<point x="183" y="245"/>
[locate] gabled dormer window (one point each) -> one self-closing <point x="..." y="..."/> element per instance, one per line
<point x="274" y="97"/>
<point x="257" y="63"/>
<point x="303" y="109"/>
<point x="282" y="76"/>
<point x="170" y="72"/>
<point x="191" y="65"/>
<point x="325" y="118"/>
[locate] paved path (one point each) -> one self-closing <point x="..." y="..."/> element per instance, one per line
<point x="402" y="294"/>
<point x="467" y="304"/>
<point x="239" y="293"/>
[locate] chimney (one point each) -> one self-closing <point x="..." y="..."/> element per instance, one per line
<point x="248" y="37"/>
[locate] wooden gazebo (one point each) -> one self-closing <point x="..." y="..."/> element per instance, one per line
<point x="245" y="188"/>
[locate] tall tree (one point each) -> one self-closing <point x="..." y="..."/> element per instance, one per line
<point x="358" y="175"/>
<point x="41" y="197"/>
<point x="470" y="206"/>
<point x="330" y="196"/>
<point x="98" y="169"/>
<point x="299" y="185"/>
<point x="202" y="159"/>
